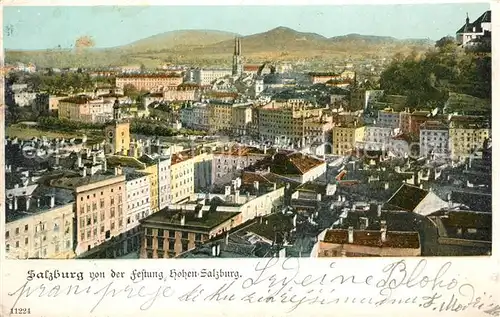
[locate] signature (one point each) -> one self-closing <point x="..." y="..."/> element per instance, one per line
<point x="283" y="282"/>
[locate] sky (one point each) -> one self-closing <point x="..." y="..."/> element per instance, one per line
<point x="31" y="28"/>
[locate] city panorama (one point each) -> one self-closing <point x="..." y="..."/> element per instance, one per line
<point x="248" y="132"/>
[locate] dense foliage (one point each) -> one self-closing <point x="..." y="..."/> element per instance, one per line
<point x="427" y="79"/>
<point x="59" y="83"/>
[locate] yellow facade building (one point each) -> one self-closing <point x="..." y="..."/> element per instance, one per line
<point x="466" y="135"/>
<point x="220" y="117"/>
<point x="345" y="138"/>
<point x="100" y="206"/>
<point x="117" y="133"/>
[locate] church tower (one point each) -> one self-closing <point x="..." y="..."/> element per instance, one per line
<point x="237" y="58"/>
<point x="117" y="133"/>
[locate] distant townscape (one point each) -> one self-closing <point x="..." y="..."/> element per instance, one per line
<point x="278" y="157"/>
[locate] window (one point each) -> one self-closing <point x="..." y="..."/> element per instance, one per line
<point x="26" y="241"/>
<point x="102" y="228"/>
<point x="171" y="234"/>
<point x="88" y="234"/>
<point x="171" y="245"/>
<point x="82" y="236"/>
<point x="101" y="202"/>
<point x="150" y="255"/>
<point x="112" y="201"/>
<point x="26" y="228"/>
<point x="56" y="248"/>
<point x="161" y="232"/>
<point x="94" y="206"/>
<point x="160" y="242"/>
<point x="17" y="231"/>
<point x="17" y="244"/>
<point x="68" y="244"/>
<point x="7" y="234"/>
<point x="7" y="247"/>
<point x="185" y="235"/>
<point x="184" y="246"/>
<point x="161" y="254"/>
<point x="112" y="225"/>
<point x="197" y="237"/>
<point x="102" y="215"/>
<point x="88" y="220"/>
<point x="56" y="227"/>
<point x="149" y="242"/>
<point x="82" y="209"/>
<point x="112" y="212"/>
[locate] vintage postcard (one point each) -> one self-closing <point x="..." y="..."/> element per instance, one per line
<point x="290" y="159"/>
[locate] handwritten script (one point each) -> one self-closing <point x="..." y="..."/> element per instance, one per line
<point x="273" y="281"/>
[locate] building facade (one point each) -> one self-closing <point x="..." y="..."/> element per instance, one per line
<point x="467" y="134"/>
<point x="149" y="82"/>
<point x="100" y="207"/>
<point x="44" y="231"/>
<point x="85" y="109"/>
<point x="434" y="138"/>
<point x="174" y="231"/>
<point x="345" y="138"/>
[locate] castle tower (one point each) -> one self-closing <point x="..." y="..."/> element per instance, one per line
<point x="117" y="133"/>
<point x="237" y="58"/>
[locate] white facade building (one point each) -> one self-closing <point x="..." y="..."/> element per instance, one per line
<point x="205" y="77"/>
<point x="434" y="138"/>
<point x="195" y="116"/>
<point x="470" y="33"/>
<point x="138" y="193"/>
<point x="164" y="182"/>
<point x="388" y="118"/>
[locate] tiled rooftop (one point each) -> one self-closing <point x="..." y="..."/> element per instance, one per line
<point x="407" y="197"/>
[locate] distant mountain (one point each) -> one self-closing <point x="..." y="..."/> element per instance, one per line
<point x="180" y="38"/>
<point x="208" y="46"/>
<point x="374" y="39"/>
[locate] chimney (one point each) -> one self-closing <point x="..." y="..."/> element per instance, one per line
<point x="294" y="221"/>
<point x="37" y="203"/>
<point x="386" y="185"/>
<point x="84" y="172"/>
<point x="15" y="202"/>
<point x="236" y="196"/>
<point x="318" y="197"/>
<point x="450" y="202"/>
<point x="183" y="220"/>
<point x="383" y="230"/>
<point x="57" y="159"/>
<point x="10" y="204"/>
<point x="52" y="201"/>
<point x="28" y="202"/>
<point x="104" y="165"/>
<point x="227" y="190"/>
<point x="79" y="160"/>
<point x="256" y="185"/>
<point x="200" y="213"/>
<point x="379" y="210"/>
<point x="94" y="159"/>
<point x="214" y="250"/>
<point x="350" y="237"/>
<point x="265" y="149"/>
<point x="339" y="198"/>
